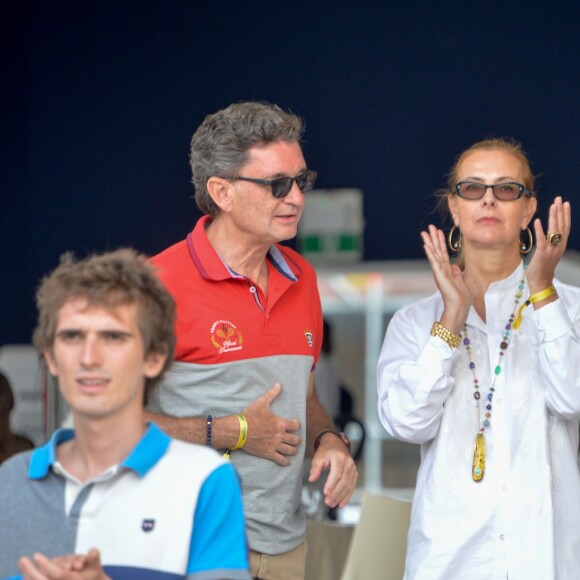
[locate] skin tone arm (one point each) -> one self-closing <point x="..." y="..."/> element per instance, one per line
<point x="457" y="298"/>
<point x="269" y="436"/>
<point x="69" y="567"/>
<point x="332" y="454"/>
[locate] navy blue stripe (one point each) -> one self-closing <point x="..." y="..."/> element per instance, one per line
<point x="131" y="573"/>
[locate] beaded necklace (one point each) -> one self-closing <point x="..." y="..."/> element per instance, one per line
<point x="478" y="466"/>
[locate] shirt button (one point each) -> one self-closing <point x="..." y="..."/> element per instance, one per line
<point x="505" y="487"/>
<point x="501" y="537"/>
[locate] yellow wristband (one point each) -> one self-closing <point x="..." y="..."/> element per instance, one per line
<point x="453" y="340"/>
<point x="537" y="297"/>
<point x="243" y="437"/>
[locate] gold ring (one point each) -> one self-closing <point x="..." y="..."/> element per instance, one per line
<point x="554" y="239"/>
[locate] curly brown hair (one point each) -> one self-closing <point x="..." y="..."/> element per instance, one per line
<point x="110" y="280"/>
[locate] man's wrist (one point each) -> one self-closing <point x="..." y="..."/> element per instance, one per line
<point x="338" y="434"/>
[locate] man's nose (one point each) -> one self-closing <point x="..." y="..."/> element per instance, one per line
<point x="91" y="354"/>
<point x="295" y="195"/>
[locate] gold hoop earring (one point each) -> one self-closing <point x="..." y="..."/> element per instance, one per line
<point x="526" y="248"/>
<point x="454" y="245"/>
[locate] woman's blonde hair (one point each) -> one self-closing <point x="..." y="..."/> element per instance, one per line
<point x="493" y="144"/>
<point x="505" y="144"/>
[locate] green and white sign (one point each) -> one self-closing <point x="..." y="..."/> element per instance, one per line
<point x="331" y="228"/>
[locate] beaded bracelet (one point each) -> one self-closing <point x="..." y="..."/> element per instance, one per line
<point x="453" y="340"/>
<point x="208" y="432"/>
<point x="537" y="297"/>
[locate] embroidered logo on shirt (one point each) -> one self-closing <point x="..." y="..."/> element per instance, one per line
<point x="225" y="336"/>
<point x="308" y="336"/>
<point x="147" y="525"/>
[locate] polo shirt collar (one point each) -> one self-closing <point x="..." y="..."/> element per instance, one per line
<point x="212" y="267"/>
<point x="148" y="451"/>
<point x="44" y="457"/>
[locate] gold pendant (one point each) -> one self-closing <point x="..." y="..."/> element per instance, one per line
<point x="478" y="458"/>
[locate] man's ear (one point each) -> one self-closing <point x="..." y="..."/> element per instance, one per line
<point x="154" y="362"/>
<point x="50" y="362"/>
<point x="220" y="190"/>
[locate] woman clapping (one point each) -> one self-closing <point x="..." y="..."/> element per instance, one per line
<point x="485" y="375"/>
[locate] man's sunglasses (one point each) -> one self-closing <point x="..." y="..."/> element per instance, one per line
<point x="281" y="186"/>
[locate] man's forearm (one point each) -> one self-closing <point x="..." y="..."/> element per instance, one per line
<point x="317" y="420"/>
<point x="224" y="430"/>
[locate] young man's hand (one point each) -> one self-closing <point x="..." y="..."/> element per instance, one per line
<point x="67" y="567"/>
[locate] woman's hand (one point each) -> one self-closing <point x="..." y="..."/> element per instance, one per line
<point x="540" y="272"/>
<point x="457" y="298"/>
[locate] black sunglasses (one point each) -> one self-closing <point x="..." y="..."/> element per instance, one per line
<point x="509" y="191"/>
<point x="281" y="186"/>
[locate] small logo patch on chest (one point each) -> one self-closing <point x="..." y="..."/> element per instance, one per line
<point x="225" y="336"/>
<point x="147" y="525"/>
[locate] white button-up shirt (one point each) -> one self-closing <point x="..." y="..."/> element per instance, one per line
<point x="522" y="521"/>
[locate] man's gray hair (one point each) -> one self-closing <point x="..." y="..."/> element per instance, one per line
<point x="219" y="147"/>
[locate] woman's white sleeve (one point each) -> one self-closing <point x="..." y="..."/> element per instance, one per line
<point x="413" y="377"/>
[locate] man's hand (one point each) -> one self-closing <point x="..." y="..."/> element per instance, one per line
<point x="270" y="436"/>
<point x="333" y="454"/>
<point x="67" y="567"/>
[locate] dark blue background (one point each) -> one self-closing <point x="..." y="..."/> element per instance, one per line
<point x="99" y="101"/>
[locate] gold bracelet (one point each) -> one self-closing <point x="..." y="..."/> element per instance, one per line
<point x="243" y="437"/>
<point x="537" y="297"/>
<point x="453" y="340"/>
